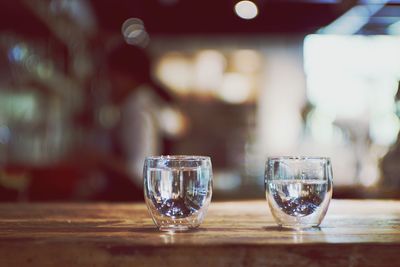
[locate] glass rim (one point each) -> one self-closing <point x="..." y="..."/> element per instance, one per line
<point x="298" y="158"/>
<point x="179" y="157"/>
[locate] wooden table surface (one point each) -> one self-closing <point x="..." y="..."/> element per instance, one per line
<point x="354" y="233"/>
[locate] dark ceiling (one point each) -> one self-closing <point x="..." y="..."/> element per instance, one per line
<point x="204" y="17"/>
<point x="218" y="17"/>
<point x="184" y="17"/>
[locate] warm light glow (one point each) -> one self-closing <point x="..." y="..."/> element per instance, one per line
<point x="246" y="10"/>
<point x="209" y="68"/>
<point x="211" y="74"/>
<point x="176" y="72"/>
<point x="172" y="122"/>
<point x="246" y="61"/>
<point x="235" y="89"/>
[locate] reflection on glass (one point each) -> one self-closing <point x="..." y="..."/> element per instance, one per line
<point x="298" y="190"/>
<point x="177" y="190"/>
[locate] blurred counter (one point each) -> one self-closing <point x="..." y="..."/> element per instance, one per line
<point x="354" y="233"/>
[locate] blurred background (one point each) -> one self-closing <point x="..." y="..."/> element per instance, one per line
<point x="88" y="88"/>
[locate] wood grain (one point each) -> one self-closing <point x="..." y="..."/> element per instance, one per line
<point x="354" y="233"/>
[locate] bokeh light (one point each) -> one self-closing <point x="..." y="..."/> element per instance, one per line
<point x="246" y="60"/>
<point x="209" y="67"/>
<point x="236" y="88"/>
<point x="18" y="53"/>
<point x="172" y="122"/>
<point x="211" y="74"/>
<point x="246" y="10"/>
<point x="134" y="32"/>
<point x="176" y="72"/>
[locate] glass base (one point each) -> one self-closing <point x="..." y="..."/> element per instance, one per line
<point x="299" y="227"/>
<point x="174" y="228"/>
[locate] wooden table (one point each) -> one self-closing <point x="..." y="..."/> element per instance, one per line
<point x="354" y="233"/>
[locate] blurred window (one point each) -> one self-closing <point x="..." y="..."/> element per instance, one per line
<point x="351" y="88"/>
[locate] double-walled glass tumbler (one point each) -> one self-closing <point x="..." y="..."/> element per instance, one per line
<point x="298" y="190"/>
<point x="177" y="190"/>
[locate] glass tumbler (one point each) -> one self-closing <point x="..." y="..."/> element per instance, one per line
<point x="298" y="190"/>
<point x="177" y="190"/>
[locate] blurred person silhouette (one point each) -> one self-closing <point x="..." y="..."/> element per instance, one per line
<point x="131" y="121"/>
<point x="128" y="127"/>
